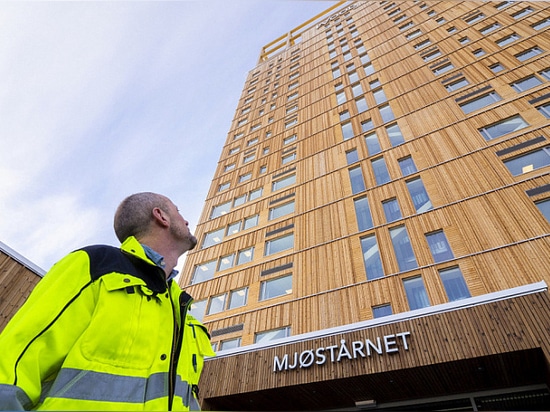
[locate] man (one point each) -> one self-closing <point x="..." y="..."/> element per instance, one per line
<point x="109" y="328"/>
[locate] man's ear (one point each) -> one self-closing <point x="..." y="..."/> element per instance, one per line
<point x="161" y="217"/>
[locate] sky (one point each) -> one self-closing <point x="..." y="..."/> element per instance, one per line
<point x="102" y="99"/>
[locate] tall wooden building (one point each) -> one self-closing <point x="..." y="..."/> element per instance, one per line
<point x="376" y="235"/>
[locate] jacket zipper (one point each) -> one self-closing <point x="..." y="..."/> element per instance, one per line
<point x="184" y="302"/>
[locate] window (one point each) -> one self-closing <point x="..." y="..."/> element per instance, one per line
<point x="347" y="131"/>
<point x="523" y="12"/>
<point x="379" y="96"/>
<point x="280" y="244"/>
<point x="526" y="83"/>
<point x="357" y="180"/>
<point x="402" y="248"/>
<point x="362" y="213"/>
<point x="457" y="84"/>
<point x="344" y="115"/>
<point x="541" y="24"/>
<point x="371" y="257"/>
<point x="529" y="161"/>
<point x="369" y="69"/>
<point x="289" y="139"/>
<point x="503" y="127"/>
<point x="488" y="29"/>
<point x="281" y="210"/>
<point x="250" y="222"/>
<point x="361" y="104"/>
<point x="291" y="123"/>
<point x="270" y="335"/>
<point x="442" y="69"/>
<point x="386" y="113"/>
<point x="497" y="67"/>
<point x="273" y="288"/>
<point x="478" y="52"/>
<point x="367" y="125"/>
<point x="406" y="26"/>
<point x="284" y="182"/>
<point x="413" y="34"/>
<point x="352" y="156"/>
<point x="475" y="18"/>
<point x="254" y="194"/>
<point x="416" y="293"/>
<point x="544" y="110"/>
<point x="230" y="344"/>
<point x="239" y="200"/>
<point x="373" y="146"/>
<point x="226" y="262"/>
<point x="245" y="177"/>
<point x="381" y="174"/>
<point x="245" y="256"/>
<point x="340" y="97"/>
<point x="229" y="167"/>
<point x="480" y="102"/>
<point x="357" y="90"/>
<point x="237" y="298"/>
<point x="233" y="228"/>
<point x="213" y="238"/>
<point x="464" y="40"/>
<point x="204" y="271"/>
<point x="198" y="309"/>
<point x="217" y="304"/>
<point x="439" y="246"/>
<point x="395" y="135"/>
<point x="220" y="210"/>
<point x="289" y="158"/>
<point x="419" y="195"/>
<point x="381" y="311"/>
<point x="544" y="207"/>
<point x="527" y="54"/>
<point x="224" y="186"/>
<point x="508" y="39"/>
<point x="454" y="284"/>
<point x="353" y="77"/>
<point x="391" y="210"/>
<point x="422" y="44"/>
<point x="545" y="73"/>
<point x="407" y="165"/>
<point x="432" y="55"/>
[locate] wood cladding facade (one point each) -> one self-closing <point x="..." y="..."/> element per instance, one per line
<point x="292" y="108"/>
<point x="16" y="283"/>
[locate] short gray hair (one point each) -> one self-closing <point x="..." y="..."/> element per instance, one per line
<point x="134" y="214"/>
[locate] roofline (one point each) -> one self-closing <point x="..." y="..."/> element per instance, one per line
<point x="37" y="270"/>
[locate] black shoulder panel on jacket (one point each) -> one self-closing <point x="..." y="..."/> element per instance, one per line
<point x="107" y="259"/>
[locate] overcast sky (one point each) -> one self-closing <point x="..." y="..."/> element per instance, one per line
<point x="99" y="100"/>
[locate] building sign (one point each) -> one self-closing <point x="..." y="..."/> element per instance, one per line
<point x="335" y="16"/>
<point x="336" y="353"/>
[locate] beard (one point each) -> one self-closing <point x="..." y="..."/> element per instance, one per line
<point x="183" y="235"/>
<point x="192" y="241"/>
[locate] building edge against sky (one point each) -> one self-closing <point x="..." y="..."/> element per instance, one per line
<point x="376" y="234"/>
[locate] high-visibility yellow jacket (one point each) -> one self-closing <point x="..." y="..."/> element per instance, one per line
<point x="103" y="330"/>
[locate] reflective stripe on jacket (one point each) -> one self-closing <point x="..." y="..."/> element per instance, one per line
<point x="103" y="330"/>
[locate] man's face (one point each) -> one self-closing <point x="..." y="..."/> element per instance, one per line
<point x="179" y="227"/>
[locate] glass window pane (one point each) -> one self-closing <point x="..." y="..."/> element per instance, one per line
<point x="220" y="210"/>
<point x="217" y="304"/>
<point x="213" y="238"/>
<point x="347" y="131"/>
<point x="250" y="222"/>
<point x="395" y="135"/>
<point x="419" y="195"/>
<point x="357" y="181"/>
<point x="352" y="156"/>
<point x="526" y="84"/>
<point x="230" y="344"/>
<point x="457" y="84"/>
<point x="254" y="194"/>
<point x="503" y="127"/>
<point x="233" y="228"/>
<point x="439" y="246"/>
<point x="198" y="309"/>
<point x="282" y="210"/>
<point x="371" y="257"/>
<point x="276" y="287"/>
<point x="407" y="166"/>
<point x="454" y="284"/>
<point x="381" y="311"/>
<point x="544" y="110"/>
<point x="226" y="262"/>
<point x="479" y="102"/>
<point x="381" y="174"/>
<point x="544" y="207"/>
<point x="204" y="271"/>
<point x="373" y="145"/>
<point x="528" y="162"/>
<point x="245" y="256"/>
<point x="403" y="248"/>
<point x="386" y="113"/>
<point x="416" y="293"/>
<point x="357" y="90"/>
<point x="361" y="104"/>
<point x="379" y="96"/>
<point x="278" y="245"/>
<point x="284" y="182"/>
<point x="237" y="298"/>
<point x="239" y="200"/>
<point x="268" y="336"/>
<point x="362" y="213"/>
<point x="391" y="210"/>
